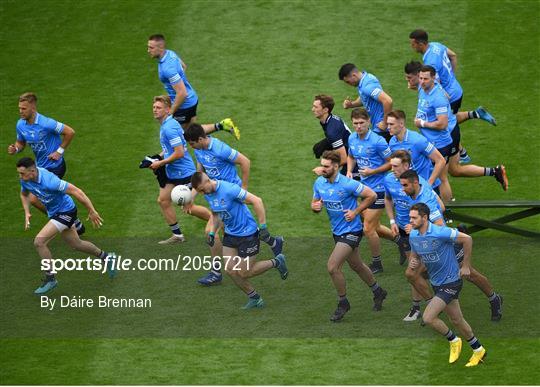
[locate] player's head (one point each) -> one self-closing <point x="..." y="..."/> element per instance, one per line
<point x="322" y="105"/>
<point x="156" y="45"/>
<point x="195" y="136"/>
<point x="396" y="122"/>
<point x="202" y="183"/>
<point x="411" y="74"/>
<point x="419" y="40"/>
<point x="419" y="215"/>
<point x="27" y="169"/>
<point x="426" y="77"/>
<point x="330" y="163"/>
<point x="349" y="74"/>
<point x="360" y="121"/>
<point x="27" y="105"/>
<point x="400" y="161"/>
<point x="161" y="107"/>
<point x="410" y="182"/>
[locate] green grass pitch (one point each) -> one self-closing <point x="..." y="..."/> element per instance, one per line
<point x="260" y="62"/>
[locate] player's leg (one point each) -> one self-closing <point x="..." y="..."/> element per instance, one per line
<point x="444" y="188"/>
<point x="41" y="241"/>
<point x="334" y="266"/>
<point x="453" y="310"/>
<point x="459" y="170"/>
<point x="214" y="276"/>
<point x="479" y="113"/>
<point x="365" y="274"/>
<point x="169" y="213"/>
<point x="188" y="116"/>
<point x="414" y="313"/>
<point x="371" y="220"/>
<point x="415" y="276"/>
<point x="495" y="300"/>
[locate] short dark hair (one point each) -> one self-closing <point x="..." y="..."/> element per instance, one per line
<point x="331" y="155"/>
<point x="399" y="114"/>
<point x="28" y="97"/>
<point x="26" y="162"/>
<point x="413" y="67"/>
<point x="419" y="35"/>
<point x="428" y="68"/>
<point x="196" y="179"/>
<point x="403" y="155"/>
<point x="326" y="101"/>
<point x="410" y="175"/>
<point x="157" y="38"/>
<point x="194" y="131"/>
<point x="346" y="69"/>
<point x="360" y="113"/>
<point x="422" y="208"/>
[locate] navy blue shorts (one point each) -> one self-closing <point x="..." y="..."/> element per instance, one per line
<point x="449" y="150"/>
<point x="404" y="240"/>
<point x="184" y="116"/>
<point x="448" y="292"/>
<point x="456" y="139"/>
<point x="379" y="203"/>
<point x="60" y="170"/>
<point x="163" y="179"/>
<point x="66" y="219"/>
<point x="247" y="246"/>
<point x="352" y="239"/>
<point x="456" y="104"/>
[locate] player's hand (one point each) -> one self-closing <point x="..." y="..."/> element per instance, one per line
<point x="211" y="238"/>
<point x="350" y="215"/>
<point x="349" y="175"/>
<point x="417" y="122"/>
<point x="155" y="165"/>
<point x="395" y="229"/>
<point x="54" y="156"/>
<point x="318" y="171"/>
<point x="347" y="103"/>
<point x="187" y="207"/>
<point x="96" y="220"/>
<point x="382" y="126"/>
<point x="316" y="206"/>
<point x="27" y="217"/>
<point x="413" y="263"/>
<point x="465" y="271"/>
<point x="408" y="228"/>
<point x="12" y="149"/>
<point x="366" y="172"/>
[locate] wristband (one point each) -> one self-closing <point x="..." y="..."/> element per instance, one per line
<point x="17" y="150"/>
<point x="60" y="150"/>
<point x="262" y="226"/>
<point x="422" y="122"/>
<point x="392" y="221"/>
<point x="211" y="233"/>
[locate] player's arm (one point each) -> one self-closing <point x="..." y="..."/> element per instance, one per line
<point x="438" y="165"/>
<point x="351" y="163"/>
<point x="349" y="104"/>
<point x="389" y="208"/>
<point x="184" y="66"/>
<point x="245" y="165"/>
<point x="342" y="155"/>
<point x="81" y="197"/>
<point x="258" y="207"/>
<point x="441" y="204"/>
<point x="200" y="167"/>
<point x="441" y="123"/>
<point x="466" y="241"/>
<point x="67" y="135"/>
<point x="177" y="154"/>
<point x="25" y="200"/>
<point x="181" y="94"/>
<point x="387" y="103"/>
<point x="17" y="147"/>
<point x="382" y="168"/>
<point x="366" y="198"/>
<point x="453" y="58"/>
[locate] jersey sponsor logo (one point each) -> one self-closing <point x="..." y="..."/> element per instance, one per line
<point x="38" y="146"/>
<point x="212" y="172"/>
<point x="224" y="215"/>
<point x="333" y="205"/>
<point x="430" y="257"/>
<point x="352" y="237"/>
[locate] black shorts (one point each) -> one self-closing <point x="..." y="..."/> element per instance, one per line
<point x="448" y="292"/>
<point x="379" y="202"/>
<point x="456" y="138"/>
<point x="184" y="116"/>
<point x="60" y="170"/>
<point x="449" y="150"/>
<point x="386" y="135"/>
<point x="456" y="104"/>
<point x="66" y="218"/>
<point x="247" y="246"/>
<point x="352" y="239"/>
<point x="163" y="179"/>
<point x="404" y="240"/>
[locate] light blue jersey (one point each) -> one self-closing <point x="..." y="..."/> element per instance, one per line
<point x="51" y="191"/>
<point x="420" y="149"/>
<point x="228" y="202"/>
<point x="436" y="56"/>
<point x="429" y="198"/>
<point x="430" y="105"/>
<point x="43" y="136"/>
<point x="218" y="161"/>
<point x="337" y="197"/>
<point x="170" y="72"/>
<point x="171" y="135"/>
<point x="370" y="152"/>
<point x="436" y="249"/>
<point x="369" y="90"/>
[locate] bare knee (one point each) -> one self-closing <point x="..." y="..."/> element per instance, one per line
<point x="429" y="319"/>
<point x="411" y="274"/>
<point x="164" y="202"/>
<point x="333" y="269"/>
<point x="40" y="242"/>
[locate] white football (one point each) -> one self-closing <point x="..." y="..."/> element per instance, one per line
<point x="181" y="194"/>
